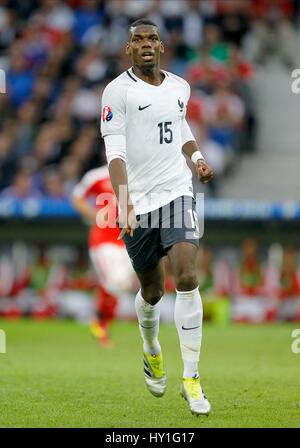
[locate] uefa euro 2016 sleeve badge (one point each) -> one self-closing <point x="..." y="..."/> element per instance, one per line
<point x="106" y="114"/>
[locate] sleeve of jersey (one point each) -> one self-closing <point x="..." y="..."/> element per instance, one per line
<point x="83" y="188"/>
<point x="113" y="123"/>
<point x="186" y="133"/>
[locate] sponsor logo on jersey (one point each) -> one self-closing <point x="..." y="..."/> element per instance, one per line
<point x="145" y="107"/>
<point x="107" y="114"/>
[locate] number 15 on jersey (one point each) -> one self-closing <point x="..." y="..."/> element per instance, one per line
<point x="165" y="132"/>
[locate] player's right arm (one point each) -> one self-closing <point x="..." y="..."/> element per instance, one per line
<point x="113" y="130"/>
<point x="79" y="199"/>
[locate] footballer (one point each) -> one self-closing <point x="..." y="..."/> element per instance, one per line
<point x="146" y="136"/>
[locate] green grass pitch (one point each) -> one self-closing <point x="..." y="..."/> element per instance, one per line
<point x="54" y="374"/>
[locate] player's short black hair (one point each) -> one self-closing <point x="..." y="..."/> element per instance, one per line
<point x="140" y="22"/>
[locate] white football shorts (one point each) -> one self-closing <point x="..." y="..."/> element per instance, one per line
<point x="113" y="267"/>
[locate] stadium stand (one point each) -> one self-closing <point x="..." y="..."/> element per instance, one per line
<point x="59" y="55"/>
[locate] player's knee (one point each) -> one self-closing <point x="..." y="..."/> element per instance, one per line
<point x="186" y="281"/>
<point x="152" y="294"/>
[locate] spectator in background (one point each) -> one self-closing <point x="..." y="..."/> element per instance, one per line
<point x="64" y="131"/>
<point x="173" y="14"/>
<point x="92" y="66"/>
<point x="7" y="161"/>
<point x="296" y="6"/>
<point x="53" y="185"/>
<point x="224" y="114"/>
<point x="70" y="170"/>
<point x="289" y="287"/>
<point x="47" y="278"/>
<point x="273" y="30"/>
<point x="193" y="25"/>
<point x="46" y="148"/>
<point x="211" y="150"/>
<point x="63" y="104"/>
<point x="112" y="34"/>
<point x="35" y="45"/>
<point x="250" y="272"/>
<point x="85" y="105"/>
<point x="27" y="118"/>
<point x="233" y="20"/>
<point x="87" y="16"/>
<point x="250" y="303"/>
<point x="214" y="46"/>
<point x="21" y="188"/>
<point x="214" y="284"/>
<point x="139" y="8"/>
<point x="43" y="93"/>
<point x="8" y="27"/>
<point x="58" y="17"/>
<point x="242" y="74"/>
<point x="20" y="80"/>
<point x="178" y="52"/>
<point x="82" y="149"/>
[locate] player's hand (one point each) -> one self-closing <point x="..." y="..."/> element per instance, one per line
<point x="101" y="217"/>
<point x="127" y="223"/>
<point x="205" y="173"/>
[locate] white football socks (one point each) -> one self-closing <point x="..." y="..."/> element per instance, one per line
<point x="188" y="319"/>
<point x="148" y="317"/>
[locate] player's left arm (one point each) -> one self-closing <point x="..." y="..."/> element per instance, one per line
<point x="191" y="149"/>
<point x="84" y="208"/>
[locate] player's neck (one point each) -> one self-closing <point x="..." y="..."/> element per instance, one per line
<point x="151" y="75"/>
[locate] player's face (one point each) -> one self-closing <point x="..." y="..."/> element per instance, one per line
<point x="145" y="46"/>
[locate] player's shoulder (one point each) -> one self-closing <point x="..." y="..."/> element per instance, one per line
<point x="96" y="174"/>
<point x="118" y="85"/>
<point x="91" y="181"/>
<point x="178" y="80"/>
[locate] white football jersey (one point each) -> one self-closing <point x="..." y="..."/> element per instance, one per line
<point x="152" y="120"/>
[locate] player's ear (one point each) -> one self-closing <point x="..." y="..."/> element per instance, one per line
<point x="127" y="50"/>
<point x="162" y="48"/>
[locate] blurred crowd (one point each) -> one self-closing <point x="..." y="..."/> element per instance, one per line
<point x="249" y="284"/>
<point x="252" y="285"/>
<point x="59" y="55"/>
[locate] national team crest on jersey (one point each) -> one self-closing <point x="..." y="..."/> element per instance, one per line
<point x="181" y="105"/>
<point x="106" y="114"/>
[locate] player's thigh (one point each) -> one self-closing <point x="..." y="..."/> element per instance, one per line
<point x="182" y="258"/>
<point x="152" y="283"/>
<point x="144" y="248"/>
<point x="112" y="266"/>
<point x="180" y="240"/>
